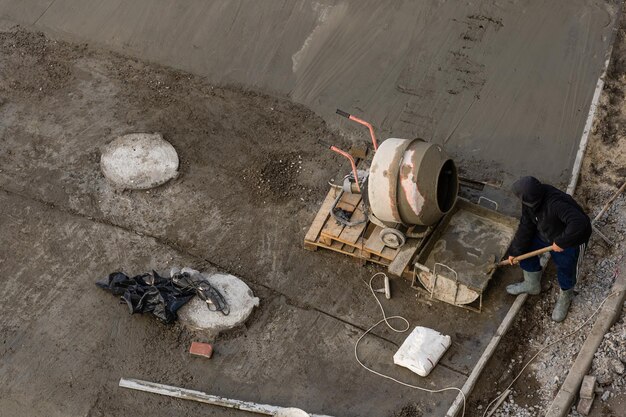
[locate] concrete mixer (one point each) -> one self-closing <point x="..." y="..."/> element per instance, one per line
<point x="400" y="209"/>
<point x="410" y="185"/>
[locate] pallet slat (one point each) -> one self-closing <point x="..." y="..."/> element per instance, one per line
<point x="349" y="202"/>
<point x="404" y="256"/>
<point x="389" y="253"/>
<point x="321" y="217"/>
<point x="361" y="241"/>
<point x="374" y="244"/>
<point x="352" y="234"/>
<point x="333" y="228"/>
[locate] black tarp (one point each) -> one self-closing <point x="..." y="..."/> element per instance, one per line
<point x="149" y="293"/>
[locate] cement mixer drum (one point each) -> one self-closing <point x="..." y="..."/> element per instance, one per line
<point x="411" y="182"/>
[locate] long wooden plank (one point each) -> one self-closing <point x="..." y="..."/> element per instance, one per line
<point x="341" y="248"/>
<point x="610" y="311"/>
<point x="199" y="396"/>
<point x="404" y="256"/>
<point x="345" y="249"/>
<point x="202" y="397"/>
<point x="321" y="217"/>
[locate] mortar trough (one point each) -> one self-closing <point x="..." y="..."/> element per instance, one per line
<point x="453" y="265"/>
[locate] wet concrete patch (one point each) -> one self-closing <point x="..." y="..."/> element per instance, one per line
<point x="470" y="246"/>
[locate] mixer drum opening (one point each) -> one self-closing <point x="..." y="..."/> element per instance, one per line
<point x="411" y="182"/>
<point x="447" y="186"/>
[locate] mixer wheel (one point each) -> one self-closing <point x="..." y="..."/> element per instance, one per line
<point x="392" y="237"/>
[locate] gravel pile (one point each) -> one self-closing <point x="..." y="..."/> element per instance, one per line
<point x="510" y="408"/>
<point x="275" y="177"/>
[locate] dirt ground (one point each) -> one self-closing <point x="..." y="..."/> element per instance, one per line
<point x="603" y="172"/>
<point x="254" y="169"/>
<point x="253" y="172"/>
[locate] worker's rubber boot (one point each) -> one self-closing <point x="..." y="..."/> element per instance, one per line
<point x="562" y="305"/>
<point x="530" y="285"/>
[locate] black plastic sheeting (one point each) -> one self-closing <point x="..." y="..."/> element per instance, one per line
<point x="149" y="293"/>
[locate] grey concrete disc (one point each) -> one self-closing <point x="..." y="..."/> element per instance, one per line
<point x="139" y="161"/>
<point x="292" y="412"/>
<point x="237" y="294"/>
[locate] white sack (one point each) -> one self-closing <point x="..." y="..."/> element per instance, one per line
<point x="421" y="350"/>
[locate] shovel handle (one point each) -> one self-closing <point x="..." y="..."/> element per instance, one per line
<point x="526" y="256"/>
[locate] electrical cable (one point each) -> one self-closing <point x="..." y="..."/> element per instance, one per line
<point x="386" y="320"/>
<point x="547" y="346"/>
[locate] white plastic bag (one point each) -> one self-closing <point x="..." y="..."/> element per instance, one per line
<point x="421" y="350"/>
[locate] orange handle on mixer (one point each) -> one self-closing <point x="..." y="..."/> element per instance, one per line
<point x="351" y="159"/>
<point x="362" y="122"/>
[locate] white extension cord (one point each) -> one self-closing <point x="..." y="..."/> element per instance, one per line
<point x="386" y="320"/>
<point x="544" y="348"/>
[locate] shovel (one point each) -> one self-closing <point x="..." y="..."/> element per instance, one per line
<point x="516" y="259"/>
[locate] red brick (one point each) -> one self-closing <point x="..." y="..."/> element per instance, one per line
<point x="201" y="349"/>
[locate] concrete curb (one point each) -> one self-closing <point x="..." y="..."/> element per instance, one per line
<point x="487" y="354"/>
<point x="609" y="313"/>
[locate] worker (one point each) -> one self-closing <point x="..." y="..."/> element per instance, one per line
<point x="550" y="217"/>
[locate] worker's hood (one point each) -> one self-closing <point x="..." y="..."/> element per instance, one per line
<point x="529" y="190"/>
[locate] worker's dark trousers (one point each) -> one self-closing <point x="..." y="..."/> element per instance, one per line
<point x="567" y="262"/>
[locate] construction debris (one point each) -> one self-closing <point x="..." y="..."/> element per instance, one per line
<point x="164" y="295"/>
<point x="587" y="395"/>
<point x="149" y="293"/>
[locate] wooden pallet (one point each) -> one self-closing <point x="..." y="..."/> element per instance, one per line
<point x="361" y="241"/>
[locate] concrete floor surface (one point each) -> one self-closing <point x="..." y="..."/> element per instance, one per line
<point x="248" y="189"/>
<point x="491" y="80"/>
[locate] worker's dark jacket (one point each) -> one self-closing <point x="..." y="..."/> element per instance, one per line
<point x="552" y="214"/>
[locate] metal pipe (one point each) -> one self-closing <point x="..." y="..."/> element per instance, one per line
<point x="364" y="123"/>
<point x="351" y="159"/>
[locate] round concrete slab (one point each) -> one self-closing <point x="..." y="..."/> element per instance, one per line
<point x="238" y="295"/>
<point x="139" y="161"/>
<point x="292" y="412"/>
